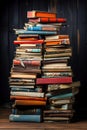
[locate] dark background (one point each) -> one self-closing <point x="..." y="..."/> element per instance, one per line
<point x="13" y="14"/>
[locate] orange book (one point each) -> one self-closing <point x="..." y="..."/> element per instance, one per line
<point x="35" y="14"/>
<point x="57" y="42"/>
<point x="26" y="38"/>
<point x="30" y="102"/>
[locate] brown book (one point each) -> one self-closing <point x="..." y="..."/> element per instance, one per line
<point x="35" y="13"/>
<point x="30" y="102"/>
<point x="58" y="115"/>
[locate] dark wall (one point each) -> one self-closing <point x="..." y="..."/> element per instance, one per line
<point x="13" y="15"/>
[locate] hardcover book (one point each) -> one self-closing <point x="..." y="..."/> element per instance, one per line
<point x="36" y="13"/>
<point x="54" y="80"/>
<point x="25" y="118"/>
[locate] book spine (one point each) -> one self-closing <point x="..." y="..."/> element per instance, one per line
<point x="24" y="118"/>
<point x="48" y="20"/>
<point x="54" y="80"/>
<point x="30" y="103"/>
<point x="34" y="32"/>
<point x="29" y="41"/>
<point x="26" y="62"/>
<point x="33" y="94"/>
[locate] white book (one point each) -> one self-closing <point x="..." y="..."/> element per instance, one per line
<point x="33" y="94"/>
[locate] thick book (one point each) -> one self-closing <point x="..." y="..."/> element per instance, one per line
<point x="25" y="118"/>
<point x="36" y="13"/>
<point x="54" y="80"/>
<point x="28" y="42"/>
<point x="30" y="103"/>
<point x="48" y="20"/>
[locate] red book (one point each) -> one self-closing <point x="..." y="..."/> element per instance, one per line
<point x="28" y="42"/>
<point x="27" y="62"/>
<point x="35" y="14"/>
<point x="48" y="20"/>
<point x="54" y="80"/>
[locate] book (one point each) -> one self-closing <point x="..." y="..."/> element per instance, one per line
<point x="47" y="20"/>
<point x="26" y="62"/>
<point x="23" y="75"/>
<point x="37" y="13"/>
<point x="54" y="80"/>
<point x="23" y="31"/>
<point x="56" y="119"/>
<point x="56" y="37"/>
<point x="57" y="42"/>
<point x="26" y="110"/>
<point x="29" y="102"/>
<point x="22" y="97"/>
<point x="28" y="42"/>
<point x="62" y="91"/>
<point x="25" y="118"/>
<point x="32" y="94"/>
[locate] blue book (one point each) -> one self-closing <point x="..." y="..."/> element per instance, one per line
<point x="67" y="95"/>
<point x="34" y="28"/>
<point x="27" y="111"/>
<point x="25" y="118"/>
<point x="23" y="31"/>
<point x="25" y="89"/>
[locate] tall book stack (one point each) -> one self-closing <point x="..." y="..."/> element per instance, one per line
<point x="57" y="75"/>
<point x="27" y="98"/>
<point x="41" y="81"/>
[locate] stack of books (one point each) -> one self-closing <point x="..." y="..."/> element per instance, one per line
<point x="27" y="98"/>
<point x="41" y="81"/>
